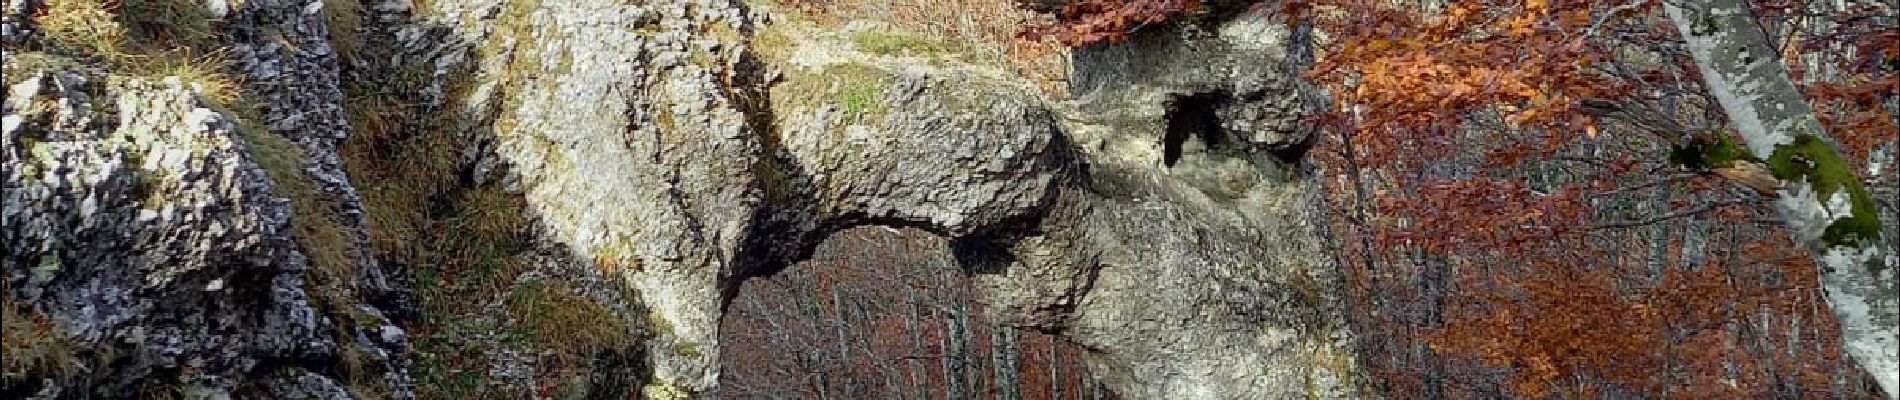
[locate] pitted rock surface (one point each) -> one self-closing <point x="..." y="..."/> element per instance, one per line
<point x="136" y="220"/>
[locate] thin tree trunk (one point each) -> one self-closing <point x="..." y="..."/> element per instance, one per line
<point x="916" y="385"/>
<point x="1832" y="216"/>
<point x="946" y="350"/>
<point x="1008" y="380"/>
<point x="1055" y="366"/>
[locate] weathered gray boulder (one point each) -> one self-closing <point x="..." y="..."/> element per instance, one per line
<point x="139" y="226"/>
<point x="146" y="251"/>
<point x="1159" y="220"/>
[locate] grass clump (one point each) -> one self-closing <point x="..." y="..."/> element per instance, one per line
<point x="32" y="347"/>
<point x="143" y="38"/>
<point x="572" y="327"/>
<point x="168" y="23"/>
<point x="315" y="227"/>
<point x="120" y="28"/>
<point x="894" y="43"/>
<point x="82" y="26"/>
<point x="856" y="89"/>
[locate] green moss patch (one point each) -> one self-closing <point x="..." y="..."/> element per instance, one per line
<point x="856" y="89"/>
<point x="1810" y="159"/>
<point x="1717" y="150"/>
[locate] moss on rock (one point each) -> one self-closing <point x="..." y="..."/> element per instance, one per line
<point x="856" y="89"/>
<point x="894" y="43"/>
<point x="1717" y="150"/>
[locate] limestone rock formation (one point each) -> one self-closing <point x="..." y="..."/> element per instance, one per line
<point x="659" y="154"/>
<point x="142" y="229"/>
<point x="160" y="239"/>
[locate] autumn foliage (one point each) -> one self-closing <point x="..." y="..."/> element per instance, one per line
<point x="1500" y="186"/>
<point x="1089" y="22"/>
<point x="877" y="314"/>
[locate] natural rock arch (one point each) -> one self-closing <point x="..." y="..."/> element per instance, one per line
<point x="1187" y="274"/>
<point x="708" y="158"/>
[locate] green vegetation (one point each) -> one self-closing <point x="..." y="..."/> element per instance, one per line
<point x="1717" y="150"/>
<point x="894" y="43"/>
<point x="1812" y="160"/>
<point x="33" y="348"/>
<point x="1808" y="159"/>
<point x="572" y="327"/>
<point x="858" y="100"/>
<point x="856" y="89"/>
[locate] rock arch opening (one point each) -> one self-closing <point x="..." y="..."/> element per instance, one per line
<point x="885" y="312"/>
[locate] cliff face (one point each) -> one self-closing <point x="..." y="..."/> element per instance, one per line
<point x="150" y="246"/>
<point x="565" y="193"/>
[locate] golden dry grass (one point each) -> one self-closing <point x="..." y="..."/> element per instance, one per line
<point x="143" y="38"/>
<point x="983" y="30"/>
<point x="574" y="327"/>
<point x="344" y="18"/>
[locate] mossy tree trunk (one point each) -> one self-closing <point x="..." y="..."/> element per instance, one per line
<point x="1822" y="201"/>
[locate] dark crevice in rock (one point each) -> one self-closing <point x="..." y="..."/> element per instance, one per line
<point x="1192" y="118"/>
<point x="1293" y="153"/>
<point x="982" y="255"/>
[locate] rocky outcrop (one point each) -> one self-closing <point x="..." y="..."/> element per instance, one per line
<point x="162" y="240"/>
<point x="144" y="234"/>
<point x="1160" y="220"/>
<point x="651" y="157"/>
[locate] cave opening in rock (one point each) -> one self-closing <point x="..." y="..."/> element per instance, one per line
<point x="1191" y="118"/>
<point x="884" y="312"/>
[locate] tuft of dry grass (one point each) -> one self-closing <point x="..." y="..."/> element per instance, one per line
<point x="82" y="26"/>
<point x="344" y="19"/>
<point x="207" y="72"/>
<point x="575" y="328"/>
<point x="144" y="38"/>
<point x="116" y="28"/>
<point x="315" y="227"/>
<point x="30" y="347"/>
<point x="982" y="30"/>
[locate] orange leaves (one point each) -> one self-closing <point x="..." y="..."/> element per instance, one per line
<point x="1463" y="134"/>
<point x="1853" y="113"/>
<point x="1090" y="22"/>
<point x="1412" y="75"/>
